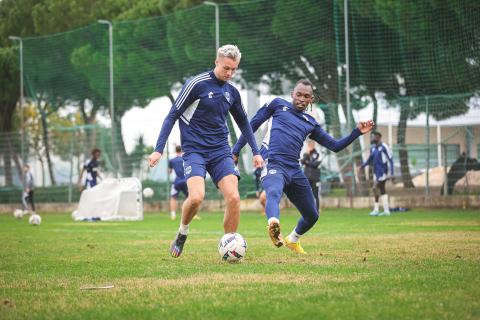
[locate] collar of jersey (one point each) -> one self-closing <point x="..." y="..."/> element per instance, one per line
<point x="214" y="77"/>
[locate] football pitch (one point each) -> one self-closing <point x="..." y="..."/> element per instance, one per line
<point x="422" y="264"/>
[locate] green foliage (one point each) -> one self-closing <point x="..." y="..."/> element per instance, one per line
<point x="416" y="53"/>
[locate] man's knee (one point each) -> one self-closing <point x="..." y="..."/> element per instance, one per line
<point x="196" y="198"/>
<point x="232" y="197"/>
<point x="274" y="193"/>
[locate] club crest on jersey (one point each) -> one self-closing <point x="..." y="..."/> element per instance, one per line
<point x="210" y="95"/>
<point x="285" y="108"/>
<point x="227" y="95"/>
<point x="272" y="171"/>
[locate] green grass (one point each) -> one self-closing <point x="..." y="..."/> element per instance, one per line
<point x="422" y="264"/>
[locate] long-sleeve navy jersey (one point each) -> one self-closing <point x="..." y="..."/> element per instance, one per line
<point x="381" y="158"/>
<point x="202" y="106"/>
<point x="287" y="132"/>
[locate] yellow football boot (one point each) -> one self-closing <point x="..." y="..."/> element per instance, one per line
<point x="294" y="246"/>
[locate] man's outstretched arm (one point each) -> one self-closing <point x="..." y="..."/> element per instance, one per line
<point x="329" y="142"/>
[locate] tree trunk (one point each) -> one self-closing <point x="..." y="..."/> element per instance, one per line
<point x="6" y="115"/>
<point x="7" y="165"/>
<point x="90" y="119"/>
<point x="403" y="152"/>
<point x="46" y="143"/>
<point x="42" y="166"/>
<point x="375" y="112"/>
<point x="18" y="165"/>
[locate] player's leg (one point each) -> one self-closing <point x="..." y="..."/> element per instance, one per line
<point x="184" y="188"/>
<point x="225" y="175"/>
<point x="24" y="201"/>
<point x="274" y="183"/>
<point x="376" y="194"/>
<point x="263" y="200"/>
<point x="196" y="194"/>
<point x="313" y="185"/>
<point x="173" y="202"/>
<point x="195" y="174"/>
<point x="384" y="197"/>
<point x="301" y="195"/>
<point x="32" y="201"/>
<point x="228" y="185"/>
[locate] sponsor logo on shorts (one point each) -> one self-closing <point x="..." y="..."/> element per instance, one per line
<point x="272" y="171"/>
<point x="236" y="170"/>
<point x="188" y="170"/>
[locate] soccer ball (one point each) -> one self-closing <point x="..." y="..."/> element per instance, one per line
<point x="18" y="213"/>
<point x="148" y="192"/>
<point x="232" y="247"/>
<point x="35" y="220"/>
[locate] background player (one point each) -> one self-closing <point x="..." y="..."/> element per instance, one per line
<point x="28" y="189"/>
<point x="179" y="184"/>
<point x="92" y="168"/>
<point x="381" y="158"/>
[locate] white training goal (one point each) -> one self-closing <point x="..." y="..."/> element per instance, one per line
<point x="112" y="199"/>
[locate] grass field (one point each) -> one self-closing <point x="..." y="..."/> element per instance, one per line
<point x="421" y="264"/>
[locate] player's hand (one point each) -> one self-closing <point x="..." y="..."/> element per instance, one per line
<point x="365" y="126"/>
<point x="235" y="158"/>
<point x="258" y="161"/>
<point x="154" y="158"/>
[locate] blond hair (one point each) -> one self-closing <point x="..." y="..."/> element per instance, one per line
<point x="229" y="51"/>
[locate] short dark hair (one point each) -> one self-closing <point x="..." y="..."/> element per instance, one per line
<point x="376" y="133"/>
<point x="178" y="149"/>
<point x="305" y="82"/>
<point x="95" y="150"/>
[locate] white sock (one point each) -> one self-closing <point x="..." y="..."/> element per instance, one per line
<point x="376" y="206"/>
<point x="294" y="237"/>
<point x="173" y="213"/>
<point x="183" y="229"/>
<point x="386" y="208"/>
<point x="273" y="219"/>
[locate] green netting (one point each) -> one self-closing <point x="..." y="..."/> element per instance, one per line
<point x="413" y="59"/>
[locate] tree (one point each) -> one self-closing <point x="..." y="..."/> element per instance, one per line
<point x="14" y="21"/>
<point x="413" y="41"/>
<point x="9" y="78"/>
